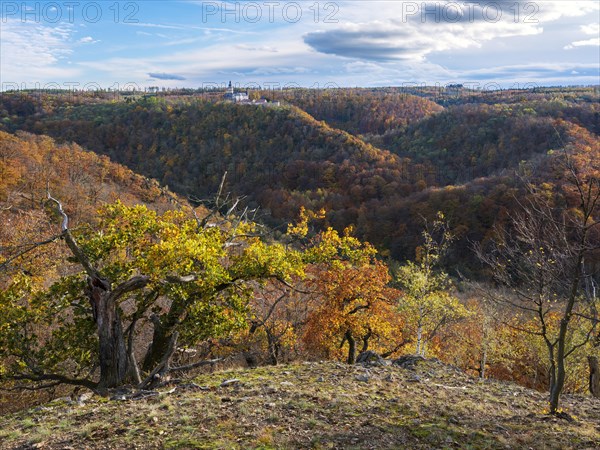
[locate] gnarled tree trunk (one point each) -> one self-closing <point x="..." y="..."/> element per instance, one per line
<point x="112" y="351"/>
<point x="164" y="327"/>
<point x="594" y="376"/>
<point x="273" y="347"/>
<point x="351" y="347"/>
<point x="161" y="337"/>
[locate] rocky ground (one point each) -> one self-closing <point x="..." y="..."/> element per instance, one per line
<point x="416" y="405"/>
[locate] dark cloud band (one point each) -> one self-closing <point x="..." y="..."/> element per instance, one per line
<point x="165" y="76"/>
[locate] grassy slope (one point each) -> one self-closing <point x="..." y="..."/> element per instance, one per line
<point x="314" y="405"/>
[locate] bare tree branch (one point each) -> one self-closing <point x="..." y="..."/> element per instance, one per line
<point x="31" y="247"/>
<point x="59" y="379"/>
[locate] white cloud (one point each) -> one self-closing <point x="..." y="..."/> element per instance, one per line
<point x="87" y="40"/>
<point x="186" y="27"/>
<point x="279" y="71"/>
<point x="154" y="25"/>
<point x="397" y="39"/>
<point x="372" y="43"/>
<point x="362" y="66"/>
<point x="593" y="42"/>
<point x="249" y="58"/>
<point x="260" y="48"/>
<point x="32" y="52"/>
<point x="552" y="10"/>
<point x="592" y="29"/>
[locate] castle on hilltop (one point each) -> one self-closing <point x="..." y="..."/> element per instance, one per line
<point x="242" y="98"/>
<point x="236" y="97"/>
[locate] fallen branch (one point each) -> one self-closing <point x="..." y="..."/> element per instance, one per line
<point x="207" y="362"/>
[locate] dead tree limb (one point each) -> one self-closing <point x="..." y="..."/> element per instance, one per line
<point x="6" y="262"/>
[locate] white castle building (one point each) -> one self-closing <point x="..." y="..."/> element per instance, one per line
<point x="236" y="97"/>
<point x="243" y="98"/>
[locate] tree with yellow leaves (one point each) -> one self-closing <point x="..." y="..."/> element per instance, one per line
<point x="426" y="300"/>
<point x="190" y="277"/>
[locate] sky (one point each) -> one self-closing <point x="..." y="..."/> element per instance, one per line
<point x="122" y="44"/>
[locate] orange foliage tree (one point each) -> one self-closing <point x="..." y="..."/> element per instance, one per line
<point x="354" y="301"/>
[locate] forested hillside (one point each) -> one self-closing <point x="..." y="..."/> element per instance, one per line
<point x="506" y="194"/>
<point x="360" y="111"/>
<point x="282" y="158"/>
<point x="30" y="165"/>
<point x="31" y="250"/>
<point x="471" y="141"/>
<point x="421" y="157"/>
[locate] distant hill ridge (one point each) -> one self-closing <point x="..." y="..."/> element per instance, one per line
<point x="460" y="159"/>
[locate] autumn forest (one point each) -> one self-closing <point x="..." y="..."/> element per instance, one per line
<point x="148" y="236"/>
